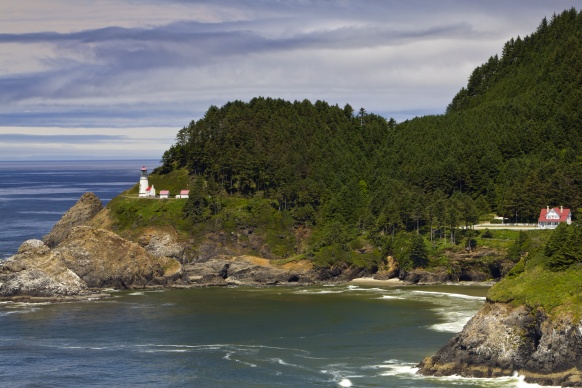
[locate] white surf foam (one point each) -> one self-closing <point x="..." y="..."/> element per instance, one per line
<point x="345" y="383"/>
<point x="398" y="368"/>
<point x="317" y="292"/>
<point x="455" y="320"/>
<point x="391" y="297"/>
<point x="407" y="371"/>
<point x="451" y="295"/>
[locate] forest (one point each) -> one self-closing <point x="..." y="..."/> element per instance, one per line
<point x="509" y="143"/>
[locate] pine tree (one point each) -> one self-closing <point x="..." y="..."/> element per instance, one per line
<point x="418" y="252"/>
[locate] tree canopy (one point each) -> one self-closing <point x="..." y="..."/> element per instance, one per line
<point x="509" y="142"/>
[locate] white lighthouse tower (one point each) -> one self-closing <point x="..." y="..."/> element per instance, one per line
<point x="144" y="186"/>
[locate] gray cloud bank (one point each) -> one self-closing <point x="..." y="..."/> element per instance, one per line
<point x="164" y="62"/>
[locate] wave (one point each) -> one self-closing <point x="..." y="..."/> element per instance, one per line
<point x="281" y="362"/>
<point x="6" y="313"/>
<point x="449" y="294"/>
<point x="455" y="320"/>
<point x="512" y="381"/>
<point x="407" y="371"/>
<point x="316" y="292"/>
<point x="366" y="289"/>
<point x="391" y="297"/>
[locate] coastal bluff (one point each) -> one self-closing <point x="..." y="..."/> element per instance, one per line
<point x="82" y="256"/>
<point x="76" y="261"/>
<point x="502" y="339"/>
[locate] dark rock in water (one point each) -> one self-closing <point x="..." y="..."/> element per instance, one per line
<point x="421" y="276"/>
<point x="249" y="270"/>
<point x="501" y="339"/>
<point x="84" y="210"/>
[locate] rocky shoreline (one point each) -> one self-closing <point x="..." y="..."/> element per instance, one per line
<point x="502" y="339"/>
<point x="81" y="256"/>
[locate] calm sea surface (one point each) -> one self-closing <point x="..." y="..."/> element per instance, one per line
<point x="327" y="336"/>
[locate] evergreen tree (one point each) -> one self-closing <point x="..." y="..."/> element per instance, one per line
<point x="418" y="252"/>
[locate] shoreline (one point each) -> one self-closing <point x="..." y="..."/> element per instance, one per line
<point x="370" y="280"/>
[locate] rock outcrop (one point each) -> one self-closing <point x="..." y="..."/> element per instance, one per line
<point x="163" y="242"/>
<point x="248" y="270"/>
<point x="36" y="271"/>
<point x="501" y="339"/>
<point x="87" y="259"/>
<point x="84" y="210"/>
<point x="103" y="259"/>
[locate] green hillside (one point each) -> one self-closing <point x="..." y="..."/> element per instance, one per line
<point x="509" y="143"/>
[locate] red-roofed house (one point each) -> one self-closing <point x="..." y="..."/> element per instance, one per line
<point x="184" y="194"/>
<point x="164" y="194"/>
<point x="551" y="218"/>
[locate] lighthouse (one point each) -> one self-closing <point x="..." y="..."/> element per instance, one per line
<point x="145" y="190"/>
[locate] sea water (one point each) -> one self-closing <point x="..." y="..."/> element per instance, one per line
<point x="34" y="195"/>
<point x="329" y="336"/>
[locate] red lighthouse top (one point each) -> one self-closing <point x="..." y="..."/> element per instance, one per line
<point x="143" y="168"/>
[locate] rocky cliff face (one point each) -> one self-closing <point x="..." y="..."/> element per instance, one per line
<point x="102" y="259"/>
<point x="74" y="260"/>
<point x="87" y="259"/>
<point x="500" y="340"/>
<point x="84" y="210"/>
<point x="36" y="271"/>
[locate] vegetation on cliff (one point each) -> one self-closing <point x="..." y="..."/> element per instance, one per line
<point x="509" y="143"/>
<point x="548" y="275"/>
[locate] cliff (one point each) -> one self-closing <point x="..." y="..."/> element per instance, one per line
<point x="81" y="256"/>
<point x="87" y="260"/>
<point x="502" y="339"/>
<point x="76" y="260"/>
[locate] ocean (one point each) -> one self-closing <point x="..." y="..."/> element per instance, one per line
<point x="347" y="335"/>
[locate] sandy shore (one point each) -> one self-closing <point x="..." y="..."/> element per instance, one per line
<point x="391" y="282"/>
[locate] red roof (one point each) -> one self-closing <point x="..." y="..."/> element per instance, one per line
<point x="149" y="188"/>
<point x="563" y="213"/>
<point x="162" y="192"/>
<point x="184" y="192"/>
<point x="143" y="168"/>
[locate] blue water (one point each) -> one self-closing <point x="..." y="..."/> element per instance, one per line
<point x="34" y="195"/>
<point x="324" y="336"/>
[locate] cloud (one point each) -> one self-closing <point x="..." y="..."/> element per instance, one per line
<point x="44" y="143"/>
<point x="59" y="139"/>
<point x="124" y="64"/>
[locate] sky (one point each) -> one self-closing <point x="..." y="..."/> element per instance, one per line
<point x="117" y="79"/>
